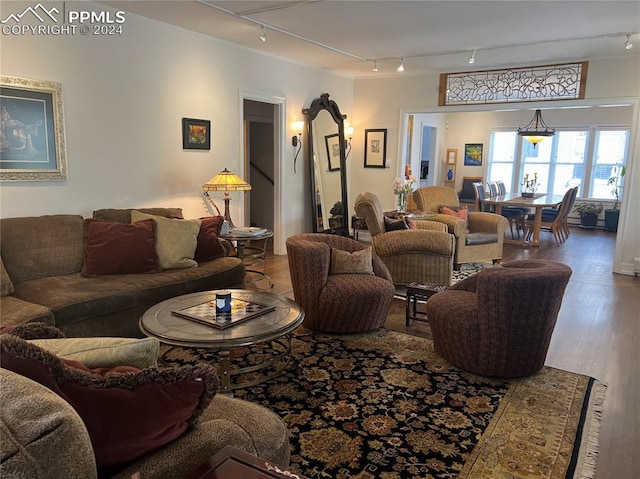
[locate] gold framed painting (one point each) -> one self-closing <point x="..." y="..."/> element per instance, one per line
<point x="32" y="139"/>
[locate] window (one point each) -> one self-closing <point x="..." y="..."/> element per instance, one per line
<point x="583" y="158"/>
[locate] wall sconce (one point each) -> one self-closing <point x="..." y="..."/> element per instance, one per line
<point x="296" y="141"/>
<point x="348" y="133"/>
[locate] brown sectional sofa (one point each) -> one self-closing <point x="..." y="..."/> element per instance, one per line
<point x="41" y="266"/>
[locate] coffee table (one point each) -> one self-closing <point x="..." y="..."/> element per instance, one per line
<point x="274" y="327"/>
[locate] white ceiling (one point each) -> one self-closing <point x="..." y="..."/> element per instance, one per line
<point x="433" y="36"/>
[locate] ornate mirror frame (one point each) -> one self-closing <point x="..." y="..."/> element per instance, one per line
<point x="318" y="207"/>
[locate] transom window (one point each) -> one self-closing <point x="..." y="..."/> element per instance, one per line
<point x="586" y="158"/>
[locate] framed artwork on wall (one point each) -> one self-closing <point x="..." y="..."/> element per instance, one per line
<point x="333" y="151"/>
<point x="375" y="148"/>
<point x="452" y="156"/>
<point x="196" y="134"/>
<point x="473" y="154"/>
<point x="32" y="140"/>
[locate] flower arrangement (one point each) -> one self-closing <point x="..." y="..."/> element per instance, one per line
<point x="402" y="188"/>
<point x="529" y="185"/>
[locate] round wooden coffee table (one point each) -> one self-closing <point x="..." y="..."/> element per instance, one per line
<point x="274" y="326"/>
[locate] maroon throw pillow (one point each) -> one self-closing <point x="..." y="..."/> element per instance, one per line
<point x="117" y="248"/>
<point x="209" y="248"/>
<point x="128" y="412"/>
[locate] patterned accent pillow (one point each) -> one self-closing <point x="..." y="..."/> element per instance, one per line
<point x="176" y="240"/>
<point x="128" y="412"/>
<point x="357" y="262"/>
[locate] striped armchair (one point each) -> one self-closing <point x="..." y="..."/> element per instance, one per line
<point x="479" y="239"/>
<point x="337" y="303"/>
<point x="423" y="254"/>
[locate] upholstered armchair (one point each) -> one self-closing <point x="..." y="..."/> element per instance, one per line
<point x="337" y="303"/>
<point x="423" y="254"/>
<point x="480" y="238"/>
<point x="499" y="321"/>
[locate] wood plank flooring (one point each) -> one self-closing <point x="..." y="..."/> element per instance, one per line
<point x="597" y="334"/>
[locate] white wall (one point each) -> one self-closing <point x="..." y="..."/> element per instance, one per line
<point x="124" y="99"/>
<point x="382" y="102"/>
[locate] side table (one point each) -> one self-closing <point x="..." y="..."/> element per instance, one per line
<point x="417" y="291"/>
<point x="254" y="254"/>
<point x="233" y="463"/>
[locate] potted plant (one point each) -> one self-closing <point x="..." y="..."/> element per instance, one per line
<point x="588" y="213"/>
<point x="611" y="216"/>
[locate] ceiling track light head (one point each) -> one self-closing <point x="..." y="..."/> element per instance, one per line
<point x="628" y="45"/>
<point x="401" y="67"/>
<point x="375" y="65"/>
<point x="263" y="34"/>
<point x="472" y="58"/>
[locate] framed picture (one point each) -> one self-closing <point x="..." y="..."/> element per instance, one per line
<point x="333" y="151"/>
<point x="375" y="148"/>
<point x="32" y="141"/>
<point x="473" y="154"/>
<point x="196" y="134"/>
<point x="452" y="156"/>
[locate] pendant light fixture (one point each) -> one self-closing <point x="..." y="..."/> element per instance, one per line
<point x="536" y="130"/>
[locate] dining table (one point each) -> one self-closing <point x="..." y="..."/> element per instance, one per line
<point x="537" y="202"/>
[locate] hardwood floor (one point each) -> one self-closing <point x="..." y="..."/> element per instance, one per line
<point x="597" y="334"/>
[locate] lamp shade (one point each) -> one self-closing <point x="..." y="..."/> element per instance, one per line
<point x="226" y="181"/>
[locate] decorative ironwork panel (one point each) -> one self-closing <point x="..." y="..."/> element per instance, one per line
<point x="547" y="82"/>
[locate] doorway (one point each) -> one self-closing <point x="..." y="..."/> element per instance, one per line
<point x="262" y="122"/>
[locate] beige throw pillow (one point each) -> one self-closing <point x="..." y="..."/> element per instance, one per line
<point x="176" y="240"/>
<point x="104" y="352"/>
<point x="358" y="262"/>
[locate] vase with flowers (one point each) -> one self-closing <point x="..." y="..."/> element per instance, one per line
<point x="529" y="185"/>
<point x="402" y="188"/>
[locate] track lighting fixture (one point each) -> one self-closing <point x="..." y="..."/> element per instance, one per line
<point x="263" y="34"/>
<point x="375" y="65"/>
<point x="628" y="45"/>
<point x="401" y="67"/>
<point x="472" y="58"/>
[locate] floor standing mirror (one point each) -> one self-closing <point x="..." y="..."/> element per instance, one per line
<point x="327" y="165"/>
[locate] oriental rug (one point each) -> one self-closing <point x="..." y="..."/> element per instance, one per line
<point x="384" y="405"/>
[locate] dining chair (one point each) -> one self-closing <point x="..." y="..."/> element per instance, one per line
<point x="556" y="220"/>
<point x="514" y="214"/>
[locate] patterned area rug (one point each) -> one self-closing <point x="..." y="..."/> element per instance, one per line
<point x="385" y="405"/>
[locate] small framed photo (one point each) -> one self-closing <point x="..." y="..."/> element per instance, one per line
<point x="196" y="134"/>
<point x="452" y="156"/>
<point x="32" y="140"/>
<point x="473" y="154"/>
<point x="333" y="151"/>
<point x="375" y="148"/>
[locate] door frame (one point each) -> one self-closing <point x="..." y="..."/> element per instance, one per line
<point x="279" y="240"/>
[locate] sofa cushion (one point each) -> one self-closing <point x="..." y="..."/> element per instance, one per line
<point x="124" y="215"/>
<point x="6" y="286"/>
<point x="17" y="311"/>
<point x="36" y="247"/>
<point x="41" y="434"/>
<point x="104" y="352"/>
<point x="128" y="412"/>
<point x="176" y="240"/>
<point x="74" y="298"/>
<point x="356" y="262"/>
<point x="209" y="246"/>
<point x="481" y="238"/>
<point x="116" y="248"/>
